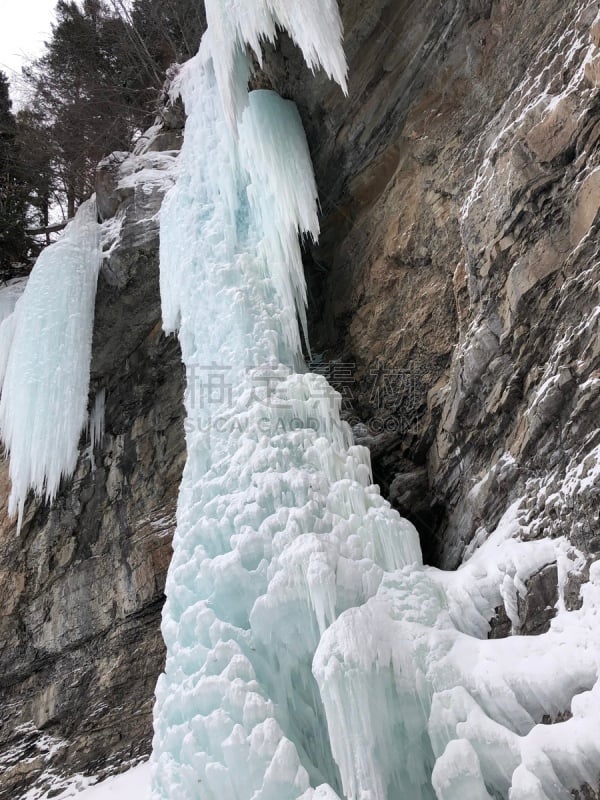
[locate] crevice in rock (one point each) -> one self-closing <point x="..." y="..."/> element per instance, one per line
<point x="562" y="716"/>
<point x="586" y="792"/>
<point x="500" y="625"/>
<point x="411" y="495"/>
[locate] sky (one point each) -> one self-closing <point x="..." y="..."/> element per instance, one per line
<point x="24" y="24"/>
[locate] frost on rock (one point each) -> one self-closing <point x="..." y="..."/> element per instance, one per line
<point x="45" y="349"/>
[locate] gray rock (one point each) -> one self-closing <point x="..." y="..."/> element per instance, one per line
<point x="81" y="644"/>
<point x="107" y="178"/>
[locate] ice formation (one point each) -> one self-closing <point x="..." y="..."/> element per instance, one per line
<point x="310" y="654"/>
<point x="95" y="426"/>
<point x="45" y="349"/>
<point x="96" y="420"/>
<point x="314" y="25"/>
<point x="9" y="294"/>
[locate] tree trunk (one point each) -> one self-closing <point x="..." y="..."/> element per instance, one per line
<point x="47" y="230"/>
<point x="70" y="201"/>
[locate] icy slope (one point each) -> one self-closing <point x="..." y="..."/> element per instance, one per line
<point x="45" y="351"/>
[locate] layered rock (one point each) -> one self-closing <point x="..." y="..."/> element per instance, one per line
<point x="458" y="268"/>
<point x="83" y="585"/>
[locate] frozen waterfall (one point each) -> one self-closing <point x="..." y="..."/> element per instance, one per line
<point x="45" y="351"/>
<point x="310" y="654"/>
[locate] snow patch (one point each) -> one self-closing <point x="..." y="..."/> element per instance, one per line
<point x="131" y="785"/>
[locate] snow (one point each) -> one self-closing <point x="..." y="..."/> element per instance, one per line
<point x="45" y="350"/>
<point x="148" y="170"/>
<point x="131" y="785"/>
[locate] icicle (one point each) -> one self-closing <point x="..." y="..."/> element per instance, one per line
<point x="96" y="425"/>
<point x="314" y="25"/>
<point x="96" y="421"/>
<point x="45" y="362"/>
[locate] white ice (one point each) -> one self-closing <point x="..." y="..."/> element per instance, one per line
<point x="45" y="349"/>
<point x="9" y="294"/>
<point x="234" y="25"/>
<point x="435" y="709"/>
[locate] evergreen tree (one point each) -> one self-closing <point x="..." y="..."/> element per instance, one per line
<point x="35" y="144"/>
<point x="171" y="31"/>
<point x="97" y="86"/>
<point x="14" y="242"/>
<point x="88" y="92"/>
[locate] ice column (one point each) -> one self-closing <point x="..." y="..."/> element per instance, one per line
<point x="45" y="352"/>
<point x="279" y="529"/>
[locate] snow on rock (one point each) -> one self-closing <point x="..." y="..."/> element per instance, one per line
<point x="147" y="170"/>
<point x="45" y="361"/>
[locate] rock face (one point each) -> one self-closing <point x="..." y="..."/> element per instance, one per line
<point x="454" y="302"/>
<point x="83" y="586"/>
<point x="457" y="276"/>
